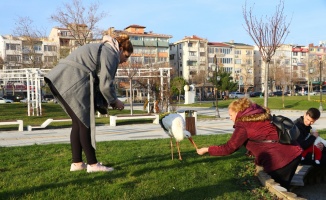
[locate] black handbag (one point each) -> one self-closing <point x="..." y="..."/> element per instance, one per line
<point x="100" y="103"/>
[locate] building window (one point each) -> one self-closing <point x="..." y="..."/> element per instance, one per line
<point x="163" y="39"/>
<point x="226" y="60"/>
<point x="192" y="53"/>
<point x="189" y="44"/>
<point x="149" y="60"/>
<point x="50" y="48"/>
<point x="136" y="38"/>
<point x="50" y="58"/>
<point x="162" y="50"/>
<point x="192" y="63"/>
<point x="237" y="61"/>
<point x="227" y="69"/>
<point x="37" y="48"/>
<point x="10" y="46"/>
<point x="162" y="59"/>
<point x="13" y="58"/>
<point x="226" y="51"/>
<point x="25" y="58"/>
<point x="149" y="39"/>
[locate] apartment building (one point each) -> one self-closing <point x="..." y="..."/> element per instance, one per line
<point x="69" y="38"/>
<point x="24" y="52"/>
<point x="149" y="48"/>
<point x="290" y="68"/>
<point x="188" y="57"/>
<point x="194" y="57"/>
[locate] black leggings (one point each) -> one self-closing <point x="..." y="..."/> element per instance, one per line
<point x="80" y="136"/>
<point x="284" y="175"/>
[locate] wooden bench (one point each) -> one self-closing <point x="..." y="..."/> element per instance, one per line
<point x="19" y="122"/>
<point x="46" y="123"/>
<point x="115" y="118"/>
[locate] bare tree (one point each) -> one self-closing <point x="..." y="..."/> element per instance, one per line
<point x="31" y="38"/>
<point x="267" y="35"/>
<point x="81" y="21"/>
<point x="247" y="76"/>
<point x="281" y="79"/>
<point x="130" y="70"/>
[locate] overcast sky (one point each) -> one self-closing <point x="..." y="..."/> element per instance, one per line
<point x="215" y="20"/>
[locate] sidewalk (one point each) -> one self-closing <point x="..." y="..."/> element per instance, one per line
<point x="135" y="132"/>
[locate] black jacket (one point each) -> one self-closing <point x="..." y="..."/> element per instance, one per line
<point x="305" y="139"/>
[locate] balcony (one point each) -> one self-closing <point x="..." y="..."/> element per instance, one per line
<point x="137" y="42"/>
<point x="162" y="44"/>
<point x="150" y="43"/>
<point x="192" y="58"/>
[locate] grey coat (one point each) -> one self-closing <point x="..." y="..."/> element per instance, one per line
<point x="73" y="83"/>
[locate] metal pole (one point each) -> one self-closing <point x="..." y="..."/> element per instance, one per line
<point x="320" y="88"/>
<point x="217" y="114"/>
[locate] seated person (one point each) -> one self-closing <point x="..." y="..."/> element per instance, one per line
<point x="307" y="139"/>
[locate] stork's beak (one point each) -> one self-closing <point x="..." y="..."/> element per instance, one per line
<point x="192" y="142"/>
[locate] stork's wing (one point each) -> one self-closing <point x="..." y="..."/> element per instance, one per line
<point x="161" y="123"/>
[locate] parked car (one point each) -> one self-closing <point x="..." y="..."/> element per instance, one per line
<point x="236" y="95"/>
<point x="3" y="100"/>
<point x="256" y="94"/>
<point x="23" y="100"/>
<point x="276" y="93"/>
<point x="122" y="98"/>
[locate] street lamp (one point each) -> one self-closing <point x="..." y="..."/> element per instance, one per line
<point x="320" y="61"/>
<point x="320" y="87"/>
<point x="215" y="79"/>
<point x="309" y="72"/>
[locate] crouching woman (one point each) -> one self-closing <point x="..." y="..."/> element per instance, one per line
<point x="252" y="128"/>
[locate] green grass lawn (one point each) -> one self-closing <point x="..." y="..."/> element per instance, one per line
<point x="143" y="170"/>
<point x="290" y="102"/>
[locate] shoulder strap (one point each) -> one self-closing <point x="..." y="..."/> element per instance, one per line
<point x="98" y="66"/>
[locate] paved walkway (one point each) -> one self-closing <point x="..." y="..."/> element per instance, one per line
<point x="134" y="132"/>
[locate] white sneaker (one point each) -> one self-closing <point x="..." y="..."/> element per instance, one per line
<point x="99" y="168"/>
<point x="302" y="158"/>
<point x="77" y="167"/>
<point x="317" y="162"/>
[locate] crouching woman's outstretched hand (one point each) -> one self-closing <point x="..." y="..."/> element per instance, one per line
<point x="117" y="105"/>
<point x="202" y="151"/>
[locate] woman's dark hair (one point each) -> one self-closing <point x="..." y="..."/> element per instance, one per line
<point x="125" y="43"/>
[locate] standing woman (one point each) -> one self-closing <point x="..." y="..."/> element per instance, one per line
<point x="71" y="82"/>
<point x="252" y="128"/>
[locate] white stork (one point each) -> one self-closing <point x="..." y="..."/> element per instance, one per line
<point x="174" y="125"/>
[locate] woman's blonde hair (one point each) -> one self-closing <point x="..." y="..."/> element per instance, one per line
<point x="242" y="104"/>
<point x="125" y="43"/>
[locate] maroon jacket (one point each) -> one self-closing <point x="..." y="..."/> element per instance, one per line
<point x="271" y="156"/>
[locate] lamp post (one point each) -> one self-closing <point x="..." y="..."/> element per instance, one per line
<point x="215" y="79"/>
<point x="309" y="72"/>
<point x="320" y="62"/>
<point x="320" y="87"/>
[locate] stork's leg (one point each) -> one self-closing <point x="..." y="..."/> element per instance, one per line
<point x="171" y="145"/>
<point x="178" y="146"/>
